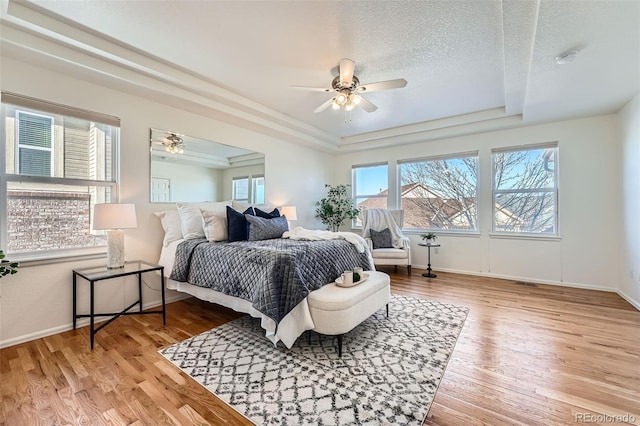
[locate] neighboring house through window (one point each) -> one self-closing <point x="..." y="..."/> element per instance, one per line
<point x="525" y="189"/>
<point x="58" y="162"/>
<point x="440" y="193"/>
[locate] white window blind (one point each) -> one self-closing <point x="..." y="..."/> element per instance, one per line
<point x="35" y="143"/>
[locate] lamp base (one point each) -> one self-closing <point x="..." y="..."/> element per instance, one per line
<point x="115" y="248"/>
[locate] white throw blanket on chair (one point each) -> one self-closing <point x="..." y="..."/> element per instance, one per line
<point x="380" y="219"/>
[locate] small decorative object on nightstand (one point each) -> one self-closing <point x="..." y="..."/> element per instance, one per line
<point x="429" y="238"/>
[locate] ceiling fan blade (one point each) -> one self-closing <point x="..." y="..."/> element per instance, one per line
<point x="313" y="89"/>
<point x="382" y="85"/>
<point x="324" y="106"/>
<point x="347" y="67"/>
<point x="366" y="105"/>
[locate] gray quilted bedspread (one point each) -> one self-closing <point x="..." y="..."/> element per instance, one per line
<point x="274" y="275"/>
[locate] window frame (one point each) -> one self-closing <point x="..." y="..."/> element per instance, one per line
<point x="452" y="156"/>
<point x="253" y="188"/>
<point x="233" y="188"/>
<point x="354" y="187"/>
<point x="555" y="191"/>
<point x="41" y="107"/>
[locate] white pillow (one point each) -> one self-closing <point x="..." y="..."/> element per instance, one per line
<point x="240" y="206"/>
<point x="171" y="224"/>
<point x="191" y="217"/>
<point x="215" y="225"/>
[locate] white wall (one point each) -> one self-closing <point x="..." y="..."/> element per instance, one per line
<point x="589" y="198"/>
<point x="37" y="301"/>
<point x="630" y="135"/>
<point x="190" y="183"/>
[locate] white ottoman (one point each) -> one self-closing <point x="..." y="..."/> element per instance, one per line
<point x="338" y="310"/>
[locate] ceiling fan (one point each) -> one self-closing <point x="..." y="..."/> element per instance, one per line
<point x="349" y="90"/>
<point x="173" y="143"/>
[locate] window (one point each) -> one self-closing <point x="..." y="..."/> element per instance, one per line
<point x="58" y="162"/>
<point x="440" y="193"/>
<point x="370" y="187"/>
<point x="257" y="189"/>
<point x="240" y="189"/>
<point x="525" y="189"/>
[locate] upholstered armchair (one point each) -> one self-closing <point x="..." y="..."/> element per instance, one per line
<point x="395" y="250"/>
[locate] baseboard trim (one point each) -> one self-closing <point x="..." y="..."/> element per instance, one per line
<point x="629" y="299"/>
<point x="527" y="279"/>
<point x="80" y="323"/>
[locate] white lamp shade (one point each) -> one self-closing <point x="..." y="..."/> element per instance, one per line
<point x="289" y="212"/>
<point x="114" y="216"/>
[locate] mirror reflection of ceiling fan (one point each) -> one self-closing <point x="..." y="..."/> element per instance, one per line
<point x="349" y="90"/>
<point x="173" y="144"/>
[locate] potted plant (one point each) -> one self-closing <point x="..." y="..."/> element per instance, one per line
<point x="336" y="207"/>
<point x="7" y="267"/>
<point x="429" y="237"/>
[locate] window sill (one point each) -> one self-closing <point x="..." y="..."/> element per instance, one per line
<point x="532" y="237"/>
<point x="442" y="233"/>
<point x="447" y="233"/>
<point x="58" y="256"/>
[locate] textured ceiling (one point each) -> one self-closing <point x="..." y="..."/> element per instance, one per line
<point x="458" y="57"/>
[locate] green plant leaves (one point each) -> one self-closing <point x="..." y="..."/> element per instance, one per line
<point x="336" y="207"/>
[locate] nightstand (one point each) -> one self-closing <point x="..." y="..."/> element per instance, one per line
<point x="101" y="273"/>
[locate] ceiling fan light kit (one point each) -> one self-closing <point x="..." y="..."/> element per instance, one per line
<point x="173" y="144"/>
<point x="348" y="87"/>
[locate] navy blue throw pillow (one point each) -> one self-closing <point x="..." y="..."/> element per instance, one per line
<point x="237" y="226"/>
<point x="265" y="215"/>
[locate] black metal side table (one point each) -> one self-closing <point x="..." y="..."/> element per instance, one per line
<point x="100" y="273"/>
<point x="428" y="274"/>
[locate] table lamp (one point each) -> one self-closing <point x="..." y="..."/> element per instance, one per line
<point x="114" y="218"/>
<point x="289" y="212"/>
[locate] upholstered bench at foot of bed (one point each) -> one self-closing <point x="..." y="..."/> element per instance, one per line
<point x="338" y="310"/>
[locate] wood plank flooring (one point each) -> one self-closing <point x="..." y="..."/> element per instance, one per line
<point x="527" y="355"/>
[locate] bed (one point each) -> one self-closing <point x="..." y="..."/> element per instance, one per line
<point x="268" y="279"/>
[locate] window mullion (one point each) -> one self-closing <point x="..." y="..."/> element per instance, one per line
<point x="60" y="181"/>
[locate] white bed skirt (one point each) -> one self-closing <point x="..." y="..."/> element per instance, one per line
<point x="289" y="329"/>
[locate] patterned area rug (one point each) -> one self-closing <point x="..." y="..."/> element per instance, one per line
<point x="388" y="374"/>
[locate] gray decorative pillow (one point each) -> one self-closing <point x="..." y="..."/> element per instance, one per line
<point x="381" y="239"/>
<point x="266" y="229"/>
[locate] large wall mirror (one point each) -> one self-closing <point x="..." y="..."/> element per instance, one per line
<point x="186" y="169"/>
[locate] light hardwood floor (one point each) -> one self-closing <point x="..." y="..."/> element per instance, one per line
<point x="527" y="355"/>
